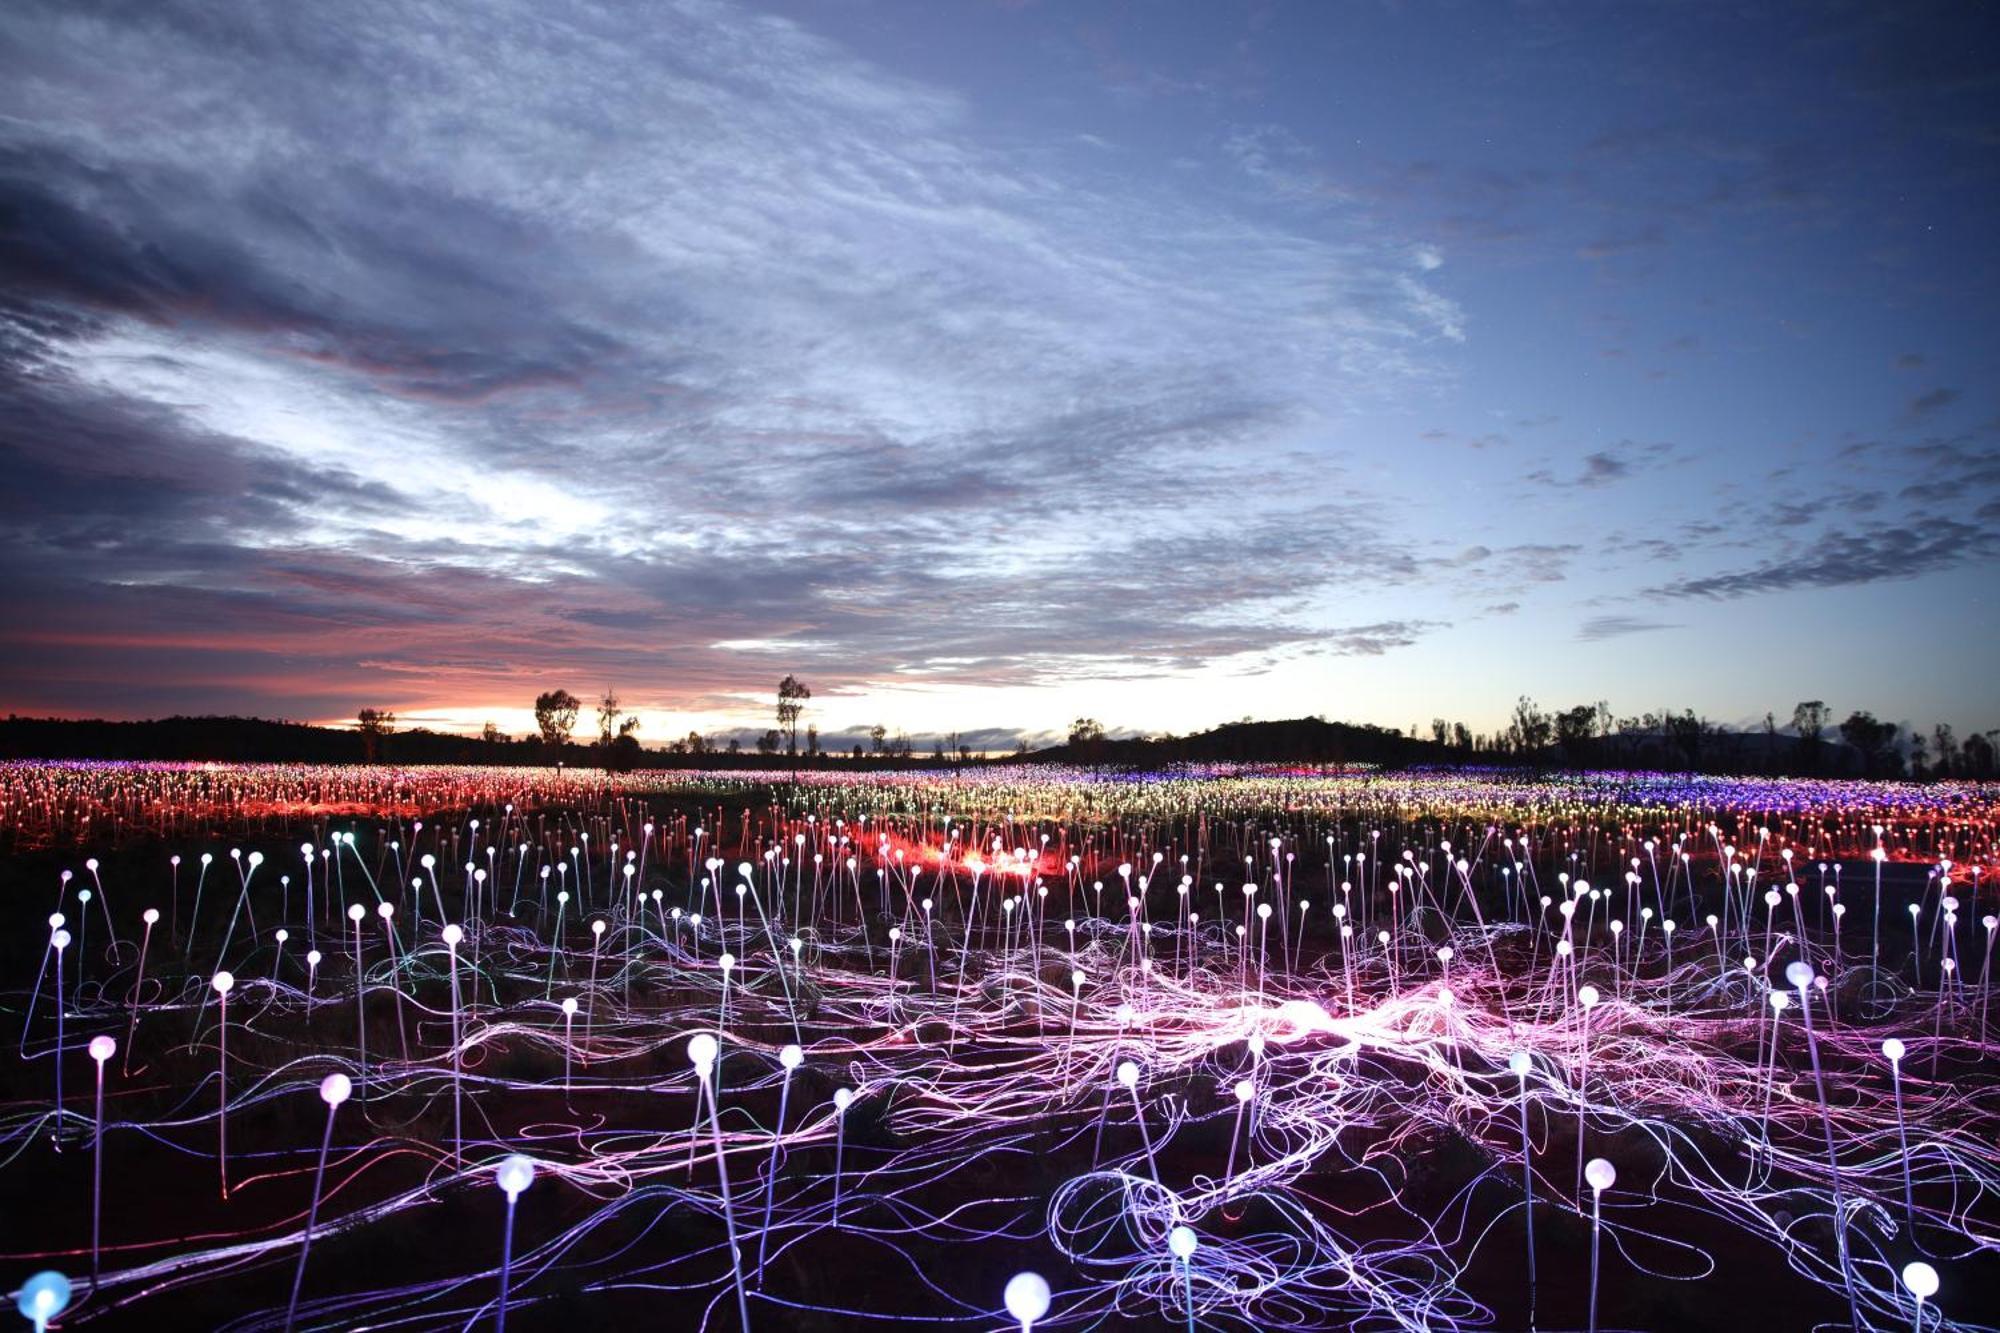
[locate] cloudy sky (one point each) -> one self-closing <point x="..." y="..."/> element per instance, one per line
<point x="992" y="364"/>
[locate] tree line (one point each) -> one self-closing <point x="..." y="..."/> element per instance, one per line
<point x="1588" y="735"/>
<point x="1812" y="744"/>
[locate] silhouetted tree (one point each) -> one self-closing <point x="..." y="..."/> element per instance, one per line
<point x="1531" y="728"/>
<point x="876" y="735"/>
<point x="555" y="718"/>
<point x="624" y="752"/>
<point x="792" y="696"/>
<point x="1978" y="752"/>
<point x="1686" y="733"/>
<point x="1875" y="740"/>
<point x="1947" y="749"/>
<point x="770" y="741"/>
<point x="608" y="712"/>
<point x="374" y="724"/>
<point x="1086" y="738"/>
<point x="1573" y="729"/>
<point x="1809" y="719"/>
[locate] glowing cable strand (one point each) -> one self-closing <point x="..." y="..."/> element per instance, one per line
<point x="1804" y="1164"/>
<point x="1303" y="1157"/>
<point x="1346" y="1277"/>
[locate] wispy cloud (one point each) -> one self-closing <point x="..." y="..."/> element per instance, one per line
<point x="1604" y="467"/>
<point x="1839" y="559"/>
<point x="1599" y="628"/>
<point x="627" y="342"/>
<point x="1924" y="404"/>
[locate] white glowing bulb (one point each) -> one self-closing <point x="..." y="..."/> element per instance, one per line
<point x="516" y="1173"/>
<point x="702" y="1049"/>
<point x="1027" y="1297"/>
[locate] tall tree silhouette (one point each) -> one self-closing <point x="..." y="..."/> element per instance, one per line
<point x="792" y="696"/>
<point x="1809" y="719"/>
<point x="555" y="717"/>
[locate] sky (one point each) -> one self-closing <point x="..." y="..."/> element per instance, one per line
<point x="988" y="365"/>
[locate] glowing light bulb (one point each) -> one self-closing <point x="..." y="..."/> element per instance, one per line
<point x="1027" y="1297"/>
<point x="514" y="1175"/>
<point x="46" y="1295"/>
<point x="702" y="1050"/>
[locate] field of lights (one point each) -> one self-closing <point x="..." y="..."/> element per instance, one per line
<point x="1023" y="1047"/>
